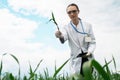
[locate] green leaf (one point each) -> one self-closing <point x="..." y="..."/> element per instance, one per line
<point x="100" y="70"/>
<point x="31" y="72"/>
<point x="58" y="70"/>
<point x="55" y="66"/>
<point x="11" y="77"/>
<point x="107" y="63"/>
<point x="37" y="66"/>
<point x="87" y="66"/>
<point x="53" y="18"/>
<point x="4" y="54"/>
<point x="108" y="70"/>
<point x="114" y="63"/>
<point x="87" y="70"/>
<point x="25" y="78"/>
<point x="46" y="74"/>
<point x="18" y="64"/>
<point x="1" y="66"/>
<point x="15" y="58"/>
<point x="50" y="20"/>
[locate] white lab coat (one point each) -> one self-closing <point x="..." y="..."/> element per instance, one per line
<point x="77" y="42"/>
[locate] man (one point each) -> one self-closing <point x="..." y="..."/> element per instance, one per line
<point x="80" y="38"/>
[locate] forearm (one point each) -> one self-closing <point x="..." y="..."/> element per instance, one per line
<point x="92" y="47"/>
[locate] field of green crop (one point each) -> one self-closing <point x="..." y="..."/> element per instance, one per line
<point x="99" y="73"/>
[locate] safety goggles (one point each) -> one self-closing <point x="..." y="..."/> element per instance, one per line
<point x="72" y="11"/>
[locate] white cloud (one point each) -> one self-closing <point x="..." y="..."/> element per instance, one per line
<point x="14" y="32"/>
<point x="42" y="7"/>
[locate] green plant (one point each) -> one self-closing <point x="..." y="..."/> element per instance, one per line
<point x="103" y="72"/>
<point x="54" y="21"/>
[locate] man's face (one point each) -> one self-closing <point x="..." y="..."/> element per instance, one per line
<point x="72" y="12"/>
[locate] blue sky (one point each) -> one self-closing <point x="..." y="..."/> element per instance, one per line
<point x="24" y="31"/>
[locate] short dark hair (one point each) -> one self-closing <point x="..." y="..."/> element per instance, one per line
<point x="73" y="4"/>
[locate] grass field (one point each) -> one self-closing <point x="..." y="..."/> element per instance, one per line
<point x="99" y="73"/>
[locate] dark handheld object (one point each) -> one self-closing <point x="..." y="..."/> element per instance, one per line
<point x="81" y="54"/>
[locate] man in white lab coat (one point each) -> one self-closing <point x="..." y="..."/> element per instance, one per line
<point x="80" y="38"/>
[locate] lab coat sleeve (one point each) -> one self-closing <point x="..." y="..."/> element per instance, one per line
<point x="92" y="44"/>
<point x="64" y="33"/>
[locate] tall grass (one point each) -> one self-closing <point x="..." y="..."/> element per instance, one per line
<point x="92" y="71"/>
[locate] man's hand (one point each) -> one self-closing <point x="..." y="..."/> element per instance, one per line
<point x="58" y="34"/>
